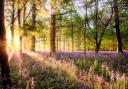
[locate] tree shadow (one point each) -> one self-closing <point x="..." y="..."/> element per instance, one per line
<point x="38" y="72"/>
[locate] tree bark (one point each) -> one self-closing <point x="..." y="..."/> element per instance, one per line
<point x="60" y="49"/>
<point x="23" y="19"/>
<point x="53" y="34"/>
<point x="6" y="81"/>
<point x="12" y="22"/>
<point x="96" y="25"/>
<point x="57" y="42"/>
<point x="24" y="13"/>
<point x="85" y="27"/>
<point x="72" y="31"/>
<point x="117" y="25"/>
<point x="19" y="23"/>
<point x="33" y="39"/>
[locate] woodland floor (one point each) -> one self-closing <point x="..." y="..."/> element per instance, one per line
<point x="69" y="70"/>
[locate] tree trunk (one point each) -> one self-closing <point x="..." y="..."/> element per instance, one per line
<point x="53" y="34"/>
<point x="85" y="28"/>
<point x="33" y="39"/>
<point x="64" y="44"/>
<point x="68" y="44"/>
<point x="6" y="81"/>
<point x="60" y="49"/>
<point x="12" y="22"/>
<point x="72" y="30"/>
<point x="85" y="41"/>
<point x="24" y="14"/>
<point x="23" y="37"/>
<point x="57" y="38"/>
<point x="96" y="25"/>
<point x="117" y="25"/>
<point x="19" y="23"/>
<point x="100" y="39"/>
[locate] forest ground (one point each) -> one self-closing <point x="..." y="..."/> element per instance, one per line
<point x="69" y="70"/>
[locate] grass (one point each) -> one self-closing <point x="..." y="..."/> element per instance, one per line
<point x="102" y="72"/>
<point x="69" y="72"/>
<point x="42" y="74"/>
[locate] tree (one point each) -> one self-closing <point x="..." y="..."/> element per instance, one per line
<point x="33" y="25"/>
<point x="54" y="9"/>
<point x="117" y="25"/>
<point x="3" y="52"/>
<point x="53" y="33"/>
<point x="96" y="25"/>
<point x="19" y="22"/>
<point x="85" y="26"/>
<point x="101" y="20"/>
<point x="12" y="22"/>
<point x="72" y="30"/>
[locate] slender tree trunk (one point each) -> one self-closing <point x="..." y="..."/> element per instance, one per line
<point x="12" y="22"/>
<point x="68" y="44"/>
<point x="85" y="41"/>
<point x="45" y="43"/>
<point x="96" y="25"/>
<point x="64" y="44"/>
<point x="23" y="37"/>
<point x="117" y="26"/>
<point x="33" y="39"/>
<point x="24" y="14"/>
<point x="53" y="34"/>
<point x="33" y="43"/>
<point x="57" y="43"/>
<point x="85" y="28"/>
<point x="72" y="30"/>
<point x="19" y="13"/>
<point x="60" y="39"/>
<point x="6" y="81"/>
<point x="78" y="43"/>
<point x="19" y="23"/>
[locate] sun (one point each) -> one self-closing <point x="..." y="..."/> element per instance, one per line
<point x="16" y="41"/>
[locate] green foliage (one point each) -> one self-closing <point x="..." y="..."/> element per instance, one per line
<point x="83" y="65"/>
<point x="102" y="72"/>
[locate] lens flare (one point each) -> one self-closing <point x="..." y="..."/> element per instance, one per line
<point x="13" y="49"/>
<point x="9" y="38"/>
<point x="16" y="42"/>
